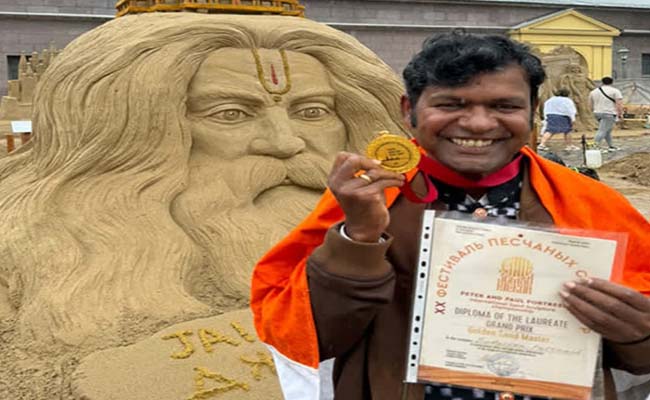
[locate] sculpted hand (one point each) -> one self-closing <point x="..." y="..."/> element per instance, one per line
<point x="362" y="201"/>
<point x="620" y="314"/>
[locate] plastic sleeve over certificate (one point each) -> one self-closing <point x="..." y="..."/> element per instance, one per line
<point x="487" y="312"/>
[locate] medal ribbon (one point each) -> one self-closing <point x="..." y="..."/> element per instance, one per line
<point x="435" y="169"/>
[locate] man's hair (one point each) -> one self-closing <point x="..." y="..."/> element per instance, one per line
<point x="607" y="80"/>
<point x="562" y="92"/>
<point x="88" y="199"/>
<point x="453" y="59"/>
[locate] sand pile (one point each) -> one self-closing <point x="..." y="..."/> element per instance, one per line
<point x="208" y="358"/>
<point x="217" y="357"/>
<point x="634" y="167"/>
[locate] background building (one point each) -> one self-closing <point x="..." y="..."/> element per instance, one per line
<point x="394" y="29"/>
<point x="34" y="25"/>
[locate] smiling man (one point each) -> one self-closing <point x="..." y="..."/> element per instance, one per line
<point x="340" y="285"/>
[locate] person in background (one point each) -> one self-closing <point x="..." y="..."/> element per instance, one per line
<point x="559" y="116"/>
<point x="607" y="104"/>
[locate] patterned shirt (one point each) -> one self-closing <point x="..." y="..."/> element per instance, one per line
<point x="502" y="200"/>
<point x="499" y="201"/>
<point x="447" y="392"/>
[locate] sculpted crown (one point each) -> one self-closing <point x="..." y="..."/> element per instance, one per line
<point x="273" y="7"/>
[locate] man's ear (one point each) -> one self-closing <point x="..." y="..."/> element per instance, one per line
<point x="408" y="113"/>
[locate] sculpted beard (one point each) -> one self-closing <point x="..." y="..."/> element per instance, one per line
<point x="275" y="196"/>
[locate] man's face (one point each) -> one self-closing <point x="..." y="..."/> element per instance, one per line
<point x="475" y="129"/>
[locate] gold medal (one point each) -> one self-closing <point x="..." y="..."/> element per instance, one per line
<point x="396" y="153"/>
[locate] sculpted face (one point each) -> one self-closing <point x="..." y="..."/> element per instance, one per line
<point x="248" y="107"/>
<point x="263" y="102"/>
<point x="574" y="69"/>
<point x="477" y="128"/>
<point x="264" y="132"/>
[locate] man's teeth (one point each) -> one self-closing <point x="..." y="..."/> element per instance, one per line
<point x="472" y="142"/>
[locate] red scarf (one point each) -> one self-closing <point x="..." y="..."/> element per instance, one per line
<point x="435" y="169"/>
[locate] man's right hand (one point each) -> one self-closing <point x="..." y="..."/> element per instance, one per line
<point x="363" y="202"/>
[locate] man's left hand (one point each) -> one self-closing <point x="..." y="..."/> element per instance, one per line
<point x="618" y="313"/>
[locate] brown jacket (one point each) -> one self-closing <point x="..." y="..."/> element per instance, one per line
<point x="361" y="298"/>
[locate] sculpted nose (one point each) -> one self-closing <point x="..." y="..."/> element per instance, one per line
<point x="276" y="148"/>
<point x="276" y="138"/>
<point x="478" y="119"/>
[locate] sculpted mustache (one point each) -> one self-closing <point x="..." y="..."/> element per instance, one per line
<point x="304" y="170"/>
<point x="308" y="171"/>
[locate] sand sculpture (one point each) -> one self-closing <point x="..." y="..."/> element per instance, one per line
<point x="291" y="8"/>
<point x="636" y="104"/>
<point x="567" y="68"/>
<point x="17" y="104"/>
<point x="169" y="152"/>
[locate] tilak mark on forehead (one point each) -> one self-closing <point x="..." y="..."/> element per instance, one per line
<point x="276" y="81"/>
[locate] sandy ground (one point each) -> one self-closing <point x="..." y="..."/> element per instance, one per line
<point x="38" y="373"/>
<point x="626" y="170"/>
<point x="633" y="168"/>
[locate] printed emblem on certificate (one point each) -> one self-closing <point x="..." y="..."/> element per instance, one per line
<point x="487" y="311"/>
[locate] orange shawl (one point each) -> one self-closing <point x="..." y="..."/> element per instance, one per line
<point x="280" y="294"/>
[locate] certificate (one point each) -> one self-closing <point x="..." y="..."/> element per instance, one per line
<point x="487" y="311"/>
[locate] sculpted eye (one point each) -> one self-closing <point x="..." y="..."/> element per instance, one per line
<point x="231" y="115"/>
<point x="313" y="113"/>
